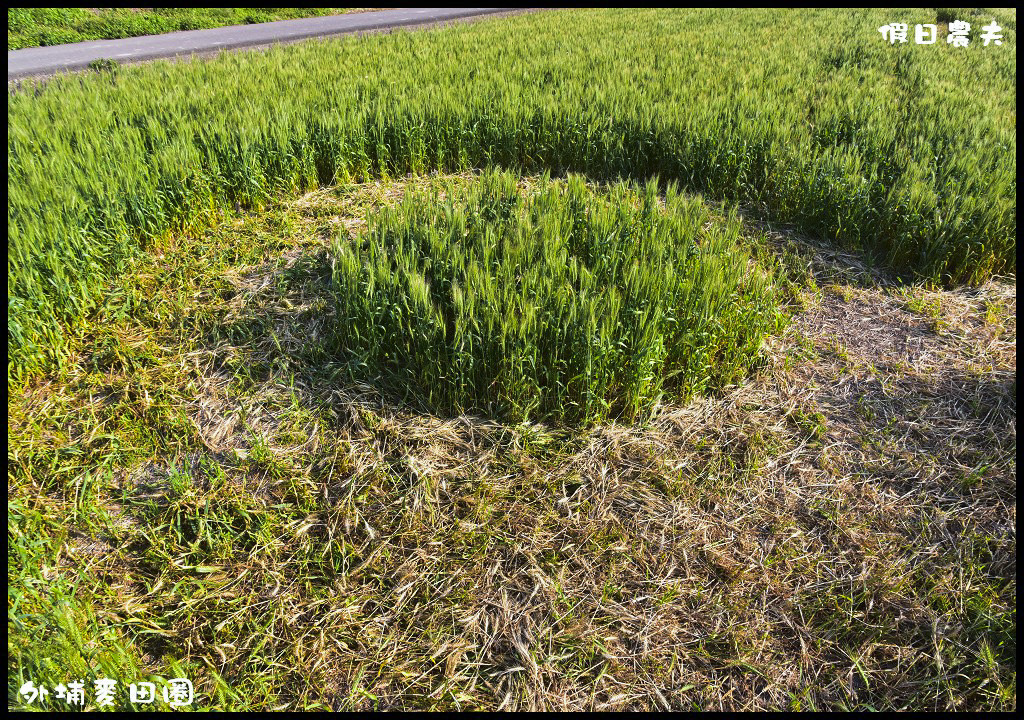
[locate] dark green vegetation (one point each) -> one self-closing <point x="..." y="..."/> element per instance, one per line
<point x="557" y="304"/>
<point x="200" y="493"/>
<point x="31" y="27"/>
<point x="906" y="153"/>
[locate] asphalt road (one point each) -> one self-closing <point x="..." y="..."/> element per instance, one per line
<point x="48" y="60"/>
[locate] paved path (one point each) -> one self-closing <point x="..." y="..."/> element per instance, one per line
<point x="48" y="60"/>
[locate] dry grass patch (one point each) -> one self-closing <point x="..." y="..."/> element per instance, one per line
<point x="838" y="532"/>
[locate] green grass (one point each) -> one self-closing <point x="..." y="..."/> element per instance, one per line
<point x="32" y="27"/>
<point x="905" y="153"/>
<point x="555" y="303"/>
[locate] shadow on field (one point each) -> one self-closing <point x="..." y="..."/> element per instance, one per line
<point x="943" y="437"/>
<point x="280" y="325"/>
<point x="932" y="425"/>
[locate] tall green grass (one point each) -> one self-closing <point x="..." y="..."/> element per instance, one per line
<point x="558" y="303"/>
<point x="907" y="153"/>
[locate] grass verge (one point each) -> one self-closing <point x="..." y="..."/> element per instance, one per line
<point x="33" y="27"/>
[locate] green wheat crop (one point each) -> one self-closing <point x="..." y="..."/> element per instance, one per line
<point x="906" y="153"/>
<point x="557" y="303"/>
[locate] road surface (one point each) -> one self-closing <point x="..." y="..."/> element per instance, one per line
<point x="77" y="56"/>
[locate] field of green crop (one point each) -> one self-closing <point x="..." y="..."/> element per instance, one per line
<point x="907" y="153"/>
<point x="559" y="305"/>
<point x="32" y="27"/>
<point x="568" y="360"/>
